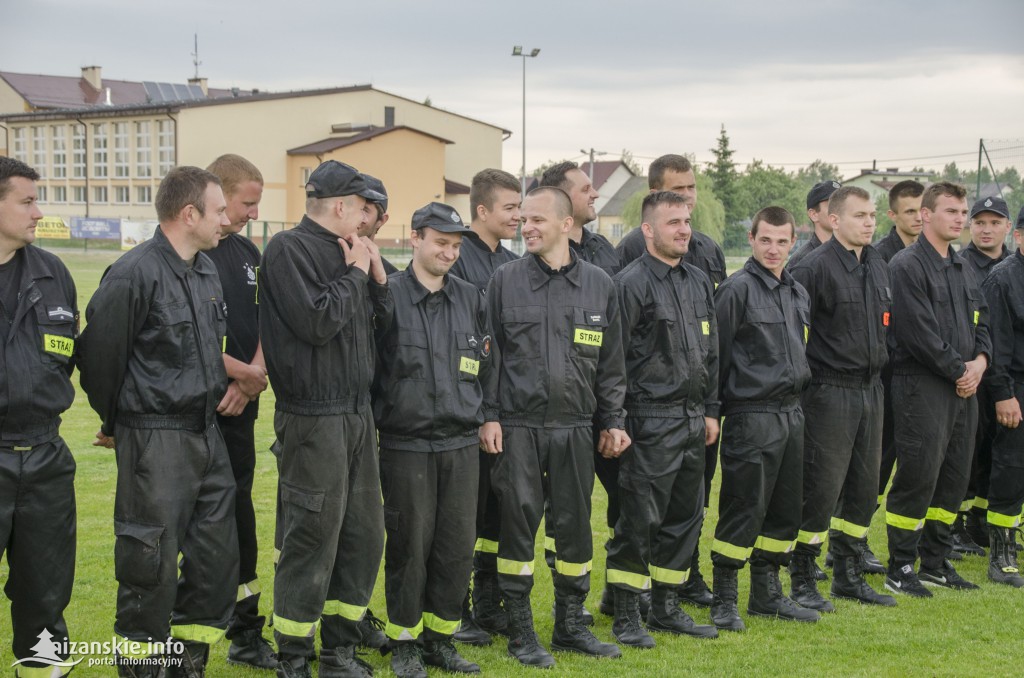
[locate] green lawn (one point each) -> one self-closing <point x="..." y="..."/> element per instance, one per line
<point x="953" y="634"/>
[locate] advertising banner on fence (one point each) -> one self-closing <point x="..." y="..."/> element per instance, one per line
<point x="52" y="228"/>
<point x="136" y="232"/>
<point x="95" y="228"/>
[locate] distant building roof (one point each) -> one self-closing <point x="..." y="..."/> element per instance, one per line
<point x="603" y="170"/>
<point x="614" y="206"/>
<point x="334" y="143"/>
<point x="882" y="175"/>
<point x="50" y="92"/>
<point x="455" y="188"/>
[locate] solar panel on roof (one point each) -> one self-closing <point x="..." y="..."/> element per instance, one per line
<point x="163" y="92"/>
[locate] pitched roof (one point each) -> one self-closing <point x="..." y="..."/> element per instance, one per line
<point x="603" y="170"/>
<point x="334" y="143"/>
<point x="455" y="188"/>
<point x="69" y="92"/>
<point x="613" y="207"/>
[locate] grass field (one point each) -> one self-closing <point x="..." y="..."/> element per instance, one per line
<point x="954" y="634"/>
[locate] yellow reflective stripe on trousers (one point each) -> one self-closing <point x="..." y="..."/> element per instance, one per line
<point x="730" y="551"/>
<point x="572" y="569"/>
<point x="663" y="575"/>
<point x="941" y="515"/>
<point x="247" y="590"/>
<point x="805" y="537"/>
<point x="880" y="499"/>
<point x="637" y="581"/>
<point x="435" y="623"/>
<point x="846" y="527"/>
<point x="1002" y="520"/>
<point x="486" y="546"/>
<point x="396" y="632"/>
<point x="966" y="505"/>
<point x="980" y="502"/>
<point x="197" y="632"/>
<point x="774" y="545"/>
<point x="126" y="645"/>
<point x="515" y="567"/>
<point x="549" y="544"/>
<point x="41" y="671"/>
<point x="351" y="612"/>
<point x="903" y="522"/>
<point x="295" y="628"/>
<point x="277" y="556"/>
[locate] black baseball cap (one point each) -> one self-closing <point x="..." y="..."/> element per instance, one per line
<point x="332" y="179"/>
<point x="439" y="217"/>
<point x="994" y="204"/>
<point x="821" y="191"/>
<point x="375" y="184"/>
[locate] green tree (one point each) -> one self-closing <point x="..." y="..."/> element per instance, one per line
<point x="708" y="217"/>
<point x="762" y="185"/>
<point x="817" y="171"/>
<point x="951" y="173"/>
<point x="633" y="165"/>
<point x="883" y="224"/>
<point x="724" y="178"/>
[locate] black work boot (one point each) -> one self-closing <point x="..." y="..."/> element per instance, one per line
<point x="342" y="662"/>
<point x="523" y="643"/>
<point x="976" y="525"/>
<point x="1002" y="563"/>
<point x="767" y="600"/>
<point x="570" y="634"/>
<point x="804" y="584"/>
<point x="406" y="660"/>
<point x="488" y="613"/>
<point x="665" y="615"/>
<point x="129" y="668"/>
<point x="294" y="666"/>
<point x="695" y="591"/>
<point x="724" y="611"/>
<point x="250" y="648"/>
<point x="627" y="627"/>
<point x="191" y="663"/>
<point x="848" y="582"/>
<point x="869" y="562"/>
<point x="372" y="631"/>
<point x="962" y="540"/>
<point x="607" y="604"/>
<point x="442" y="653"/>
<point x="469" y="632"/>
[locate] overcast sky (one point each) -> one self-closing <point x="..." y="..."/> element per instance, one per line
<point x="847" y="82"/>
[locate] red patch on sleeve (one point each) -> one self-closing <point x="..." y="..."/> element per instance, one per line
<point x="885" y="318"/>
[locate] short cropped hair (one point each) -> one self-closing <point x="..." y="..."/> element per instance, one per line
<point x="10" y="168"/>
<point x="840" y="195"/>
<point x="183" y="186"/>
<point x="653" y="200"/>
<point x="937" y="190"/>
<point x="484" y="185"/>
<point x="563" y="204"/>
<point x="556" y="174"/>
<point x="666" y="163"/>
<point x="234" y="170"/>
<point x="774" y="215"/>
<point x="904" y="189"/>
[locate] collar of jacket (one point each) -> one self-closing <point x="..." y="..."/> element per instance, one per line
<point x="418" y="292"/>
<point x="311" y="227"/>
<point x="980" y="258"/>
<point x="754" y="267"/>
<point x="478" y="242"/>
<point x="659" y="267"/>
<point x="34" y="269"/>
<point x="540" y="277"/>
<point x="924" y="249"/>
<point x="202" y="265"/>
<point x="847" y="257"/>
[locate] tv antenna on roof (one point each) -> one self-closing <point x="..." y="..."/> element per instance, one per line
<point x="195" y="55"/>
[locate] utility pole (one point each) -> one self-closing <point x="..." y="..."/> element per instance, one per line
<point x="519" y="52"/>
<point x="592" y="153"/>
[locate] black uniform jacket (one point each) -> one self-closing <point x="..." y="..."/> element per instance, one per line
<point x="557" y="351"/>
<point x="596" y="249"/>
<point x="477" y="263"/>
<point x="433" y="348"/>
<point x="762" y="330"/>
<point x="316" y="323"/>
<point x="704" y="253"/>
<point x="939" y="315"/>
<point x="670" y="336"/>
<point x="812" y="244"/>
<point x="889" y="245"/>
<point x="851" y="301"/>
<point x="980" y="262"/>
<point x="151" y="352"/>
<point x="37" y="355"/>
<point x="1004" y="292"/>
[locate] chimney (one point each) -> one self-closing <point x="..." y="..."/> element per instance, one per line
<point x="201" y="82"/>
<point x="91" y="74"/>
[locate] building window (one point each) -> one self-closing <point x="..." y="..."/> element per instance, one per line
<point x="616" y="232"/>
<point x="60" y="194"/>
<point x="78" y="194"/>
<point x="60" y="152"/>
<point x="78" y="152"/>
<point x="306" y="171"/>
<point x="40" y="193"/>
<point x="39" y="150"/>
<point x="20" y="144"/>
<point x="143" y="150"/>
<point x="165" y="143"/>
<point x="122" y="153"/>
<point x="99" y="194"/>
<point x="122" y="195"/>
<point x="99" y="151"/>
<point x="143" y="195"/>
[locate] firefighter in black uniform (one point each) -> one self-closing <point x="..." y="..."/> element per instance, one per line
<point x="671" y="348"/>
<point x="1004" y="291"/>
<point x="151" y="362"/>
<point x="428" y="405"/>
<point x="495" y="200"/>
<point x="378" y="217"/>
<point x="558" y="366"/>
<point x="939" y="345"/>
<point x="237" y="259"/>
<point x="990" y="224"/>
<point x="850" y="293"/>
<point x="320" y="284"/>
<point x="38" y="328"/>
<point x="817" y="212"/>
<point x="762" y="327"/>
<point x="675" y="173"/>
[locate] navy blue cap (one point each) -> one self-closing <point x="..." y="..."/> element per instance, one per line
<point x="439" y="217"/>
<point x="332" y="179"/>
<point x="375" y="184"/>
<point x="821" y="192"/>
<point x="994" y="204"/>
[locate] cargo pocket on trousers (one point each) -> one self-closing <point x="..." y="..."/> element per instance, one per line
<point x="137" y="554"/>
<point x="392" y="521"/>
<point x="302" y="509"/>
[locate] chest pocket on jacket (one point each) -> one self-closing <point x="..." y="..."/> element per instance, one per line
<point x="973" y="310"/>
<point x="522" y="327"/>
<point x="768" y="328"/>
<point x="850" y="308"/>
<point x="700" y="312"/>
<point x="467" y="355"/>
<point x="409" y="355"/>
<point x="588" y="332"/>
<point x="175" y="334"/>
<point x="57" y="332"/>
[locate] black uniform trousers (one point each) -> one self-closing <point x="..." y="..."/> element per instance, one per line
<point x="553" y="464"/>
<point x="762" y="483"/>
<point x="661" y="486"/>
<point x="981" y="464"/>
<point x="842" y="451"/>
<point x="37" y="532"/>
<point x="934" y="441"/>
<point x="240" y="439"/>
<point x="1006" y="490"/>
<point x="331" y="523"/>
<point x="888" y="436"/>
<point x="429" y="508"/>
<point x="488" y="519"/>
<point x="175" y="495"/>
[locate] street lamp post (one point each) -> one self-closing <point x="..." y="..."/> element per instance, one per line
<point x="519" y="52"/>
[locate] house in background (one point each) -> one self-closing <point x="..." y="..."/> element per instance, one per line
<point x="879" y="182"/>
<point x="609" y="218"/>
<point x="609" y="176"/>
